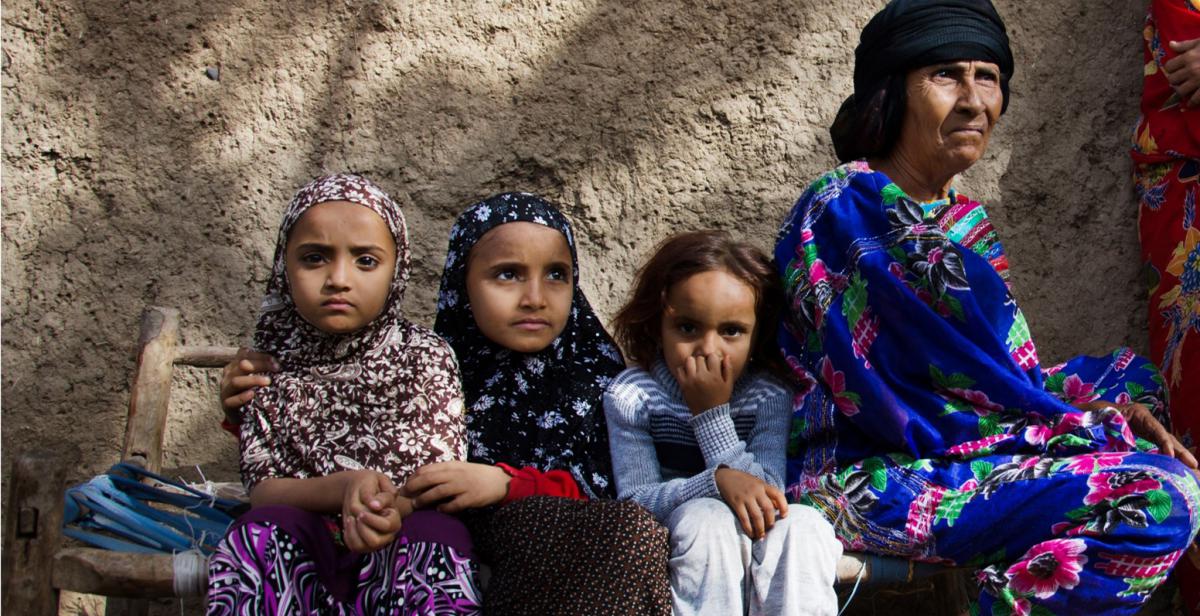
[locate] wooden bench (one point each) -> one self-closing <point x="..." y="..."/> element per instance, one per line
<point x="36" y="566"/>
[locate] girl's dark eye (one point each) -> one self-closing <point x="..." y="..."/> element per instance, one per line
<point x="506" y="275"/>
<point x="368" y="261"/>
<point x="686" y="328"/>
<point x="732" y="331"/>
<point x="312" y="258"/>
<point x="559" y="274"/>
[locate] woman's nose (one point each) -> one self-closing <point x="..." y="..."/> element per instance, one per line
<point x="969" y="96"/>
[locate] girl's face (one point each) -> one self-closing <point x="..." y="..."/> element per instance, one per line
<point x="710" y="313"/>
<point x="340" y="261"/>
<point x="519" y="283"/>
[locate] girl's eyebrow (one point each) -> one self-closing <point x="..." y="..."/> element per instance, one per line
<point x="506" y="264"/>
<point x="740" y="324"/>
<point x="357" y="249"/>
<point x="363" y="248"/>
<point x="312" y="246"/>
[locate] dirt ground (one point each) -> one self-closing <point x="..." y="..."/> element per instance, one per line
<point x="149" y="147"/>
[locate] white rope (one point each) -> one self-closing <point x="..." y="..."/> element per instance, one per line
<point x="858" y="580"/>
<point x="191" y="573"/>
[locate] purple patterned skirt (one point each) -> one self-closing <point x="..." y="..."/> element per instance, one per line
<point x="283" y="560"/>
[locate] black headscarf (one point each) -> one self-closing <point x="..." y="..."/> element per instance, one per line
<point x="905" y="35"/>
<point x="539" y="409"/>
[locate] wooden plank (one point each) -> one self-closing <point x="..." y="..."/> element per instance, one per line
<point x="115" y="574"/>
<point x="125" y="606"/>
<point x="151" y="391"/>
<point x="205" y="356"/>
<point x="32" y="531"/>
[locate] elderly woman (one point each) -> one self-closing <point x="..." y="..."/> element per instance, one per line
<point x="929" y="429"/>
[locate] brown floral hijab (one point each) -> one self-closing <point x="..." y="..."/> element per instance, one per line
<point x="386" y="397"/>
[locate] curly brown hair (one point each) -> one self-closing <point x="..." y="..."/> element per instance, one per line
<point x="638" y="325"/>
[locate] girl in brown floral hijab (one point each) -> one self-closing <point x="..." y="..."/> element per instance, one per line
<point x="363" y="397"/>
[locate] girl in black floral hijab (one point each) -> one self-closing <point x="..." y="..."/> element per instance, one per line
<point x="557" y="421"/>
<point x="535" y="362"/>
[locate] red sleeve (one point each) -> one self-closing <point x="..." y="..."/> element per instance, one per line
<point x="529" y="481"/>
<point x="230" y="427"/>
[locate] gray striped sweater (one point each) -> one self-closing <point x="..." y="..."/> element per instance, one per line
<point x="663" y="456"/>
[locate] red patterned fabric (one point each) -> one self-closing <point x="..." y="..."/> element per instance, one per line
<point x="1166" y="155"/>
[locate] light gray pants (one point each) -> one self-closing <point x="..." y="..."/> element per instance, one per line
<point x="717" y="570"/>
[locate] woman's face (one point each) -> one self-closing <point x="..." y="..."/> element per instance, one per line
<point x="949" y="115"/>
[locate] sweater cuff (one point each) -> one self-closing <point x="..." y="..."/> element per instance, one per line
<point x="715" y="433"/>
<point x="701" y="486"/>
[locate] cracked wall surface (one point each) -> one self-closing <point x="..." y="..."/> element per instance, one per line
<point x="150" y="146"/>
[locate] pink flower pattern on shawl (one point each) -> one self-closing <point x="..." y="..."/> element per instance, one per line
<point x="1049" y="566"/>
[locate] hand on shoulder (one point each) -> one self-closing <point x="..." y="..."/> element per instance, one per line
<point x="242" y="377"/>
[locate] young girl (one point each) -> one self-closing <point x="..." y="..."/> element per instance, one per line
<point x="535" y="361"/>
<point x="362" y="398"/>
<point x="699" y="432"/>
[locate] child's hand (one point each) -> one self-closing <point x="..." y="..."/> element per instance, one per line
<point x="752" y="500"/>
<point x="706" y="381"/>
<point x="242" y="376"/>
<point x="370" y="517"/>
<point x="454" y="486"/>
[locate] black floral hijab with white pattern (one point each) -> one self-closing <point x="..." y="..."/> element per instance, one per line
<point x="540" y="409"/>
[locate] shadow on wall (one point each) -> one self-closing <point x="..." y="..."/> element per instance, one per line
<point x="133" y="179"/>
<point x="1069" y="217"/>
<point x="140" y="181"/>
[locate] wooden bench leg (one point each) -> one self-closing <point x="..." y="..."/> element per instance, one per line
<point x="121" y="606"/>
<point x="32" y="533"/>
<point x="953" y="593"/>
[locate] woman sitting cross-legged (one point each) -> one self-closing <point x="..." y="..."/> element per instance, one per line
<point x="930" y="430"/>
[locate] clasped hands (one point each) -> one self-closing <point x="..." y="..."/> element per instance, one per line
<point x="373" y="508"/>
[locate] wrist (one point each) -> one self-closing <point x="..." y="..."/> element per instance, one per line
<point x="703" y="405"/>
<point x="502" y="482"/>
